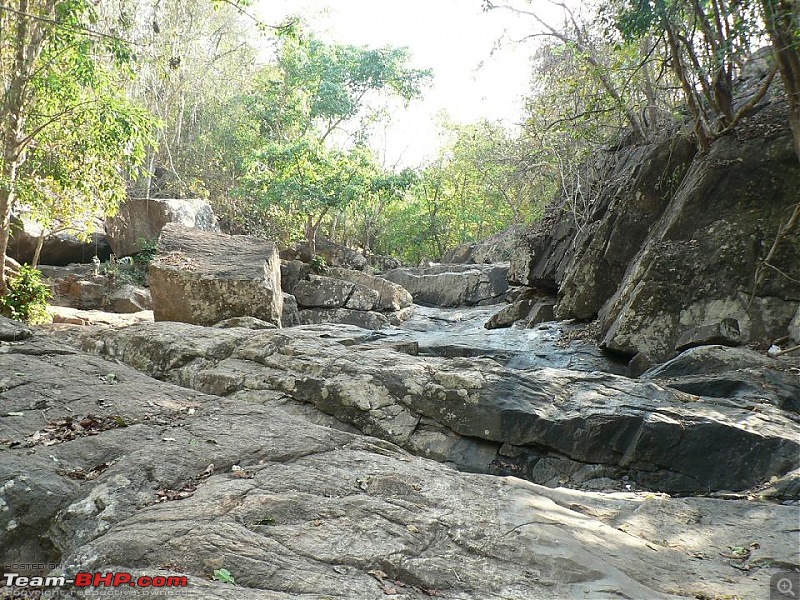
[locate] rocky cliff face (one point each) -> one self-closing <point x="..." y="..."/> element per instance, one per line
<point x="671" y="240"/>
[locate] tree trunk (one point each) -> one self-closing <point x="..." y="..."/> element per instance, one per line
<point x="29" y="36"/>
<point x="782" y="18"/>
<point x="311" y="236"/>
<point x="37" y="254"/>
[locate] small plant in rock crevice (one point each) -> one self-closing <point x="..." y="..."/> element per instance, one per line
<point x="27" y="297"/>
<point x="318" y="264"/>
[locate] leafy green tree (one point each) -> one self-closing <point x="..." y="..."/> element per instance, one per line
<point x="306" y="156"/>
<point x="480" y="184"/>
<point x="59" y="77"/>
<point x="307" y="179"/>
<point x="707" y="43"/>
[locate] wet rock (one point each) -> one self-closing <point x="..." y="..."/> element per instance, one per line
<point x="139" y="221"/>
<point x="204" y="277"/>
<point x="452" y="285"/>
<point x="595" y="418"/>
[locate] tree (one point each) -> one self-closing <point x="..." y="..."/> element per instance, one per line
<point x="54" y="85"/>
<point x="707" y="43"/>
<point x="308" y="179"/>
<point x="304" y="160"/>
<point x="193" y="56"/>
<point x="782" y="21"/>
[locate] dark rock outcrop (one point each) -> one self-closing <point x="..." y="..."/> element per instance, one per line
<point x="204" y="277"/>
<point x="139" y="221"/>
<point x="58" y="249"/>
<point x="672" y="240"/>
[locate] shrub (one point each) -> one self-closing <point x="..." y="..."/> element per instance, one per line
<point x="318" y="264"/>
<point x="27" y="297"/>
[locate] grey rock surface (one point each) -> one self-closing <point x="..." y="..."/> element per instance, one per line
<point x="794" y="328"/>
<point x="322" y="292"/>
<point x="391" y="296"/>
<point x="106" y="469"/>
<point x="626" y="426"/>
<point x="13" y="331"/>
<point x="507" y="316"/>
<point x="130" y="299"/>
<point x="58" y="249"/>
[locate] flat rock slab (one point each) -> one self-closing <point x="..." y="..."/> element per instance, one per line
<point x="204" y="277"/>
<point x="662" y="438"/>
<point x="194" y="483"/>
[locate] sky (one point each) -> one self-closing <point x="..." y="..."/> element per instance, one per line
<point x="454" y="38"/>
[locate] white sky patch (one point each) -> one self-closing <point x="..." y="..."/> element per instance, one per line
<point x="478" y="72"/>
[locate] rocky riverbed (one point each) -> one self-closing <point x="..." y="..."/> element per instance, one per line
<point x="299" y="460"/>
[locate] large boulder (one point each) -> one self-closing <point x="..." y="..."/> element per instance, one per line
<point x="343" y="296"/>
<point x="203" y="277"/>
<point x="322" y="292"/>
<point x="58" y="249"/>
<point x="453" y="285"/>
<point x="391" y="296"/>
<point x="139" y="221"/>
<point x="131" y="299"/>
<point x="502" y="247"/>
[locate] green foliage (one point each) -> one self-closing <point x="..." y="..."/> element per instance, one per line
<point x="84" y="137"/>
<point x="480" y="184"/>
<point x="27" y="297"/>
<point x="330" y="81"/>
<point x="318" y="264"/>
<point x="224" y="576"/>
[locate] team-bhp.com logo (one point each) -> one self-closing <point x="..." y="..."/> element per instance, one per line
<point x="84" y="579"/>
